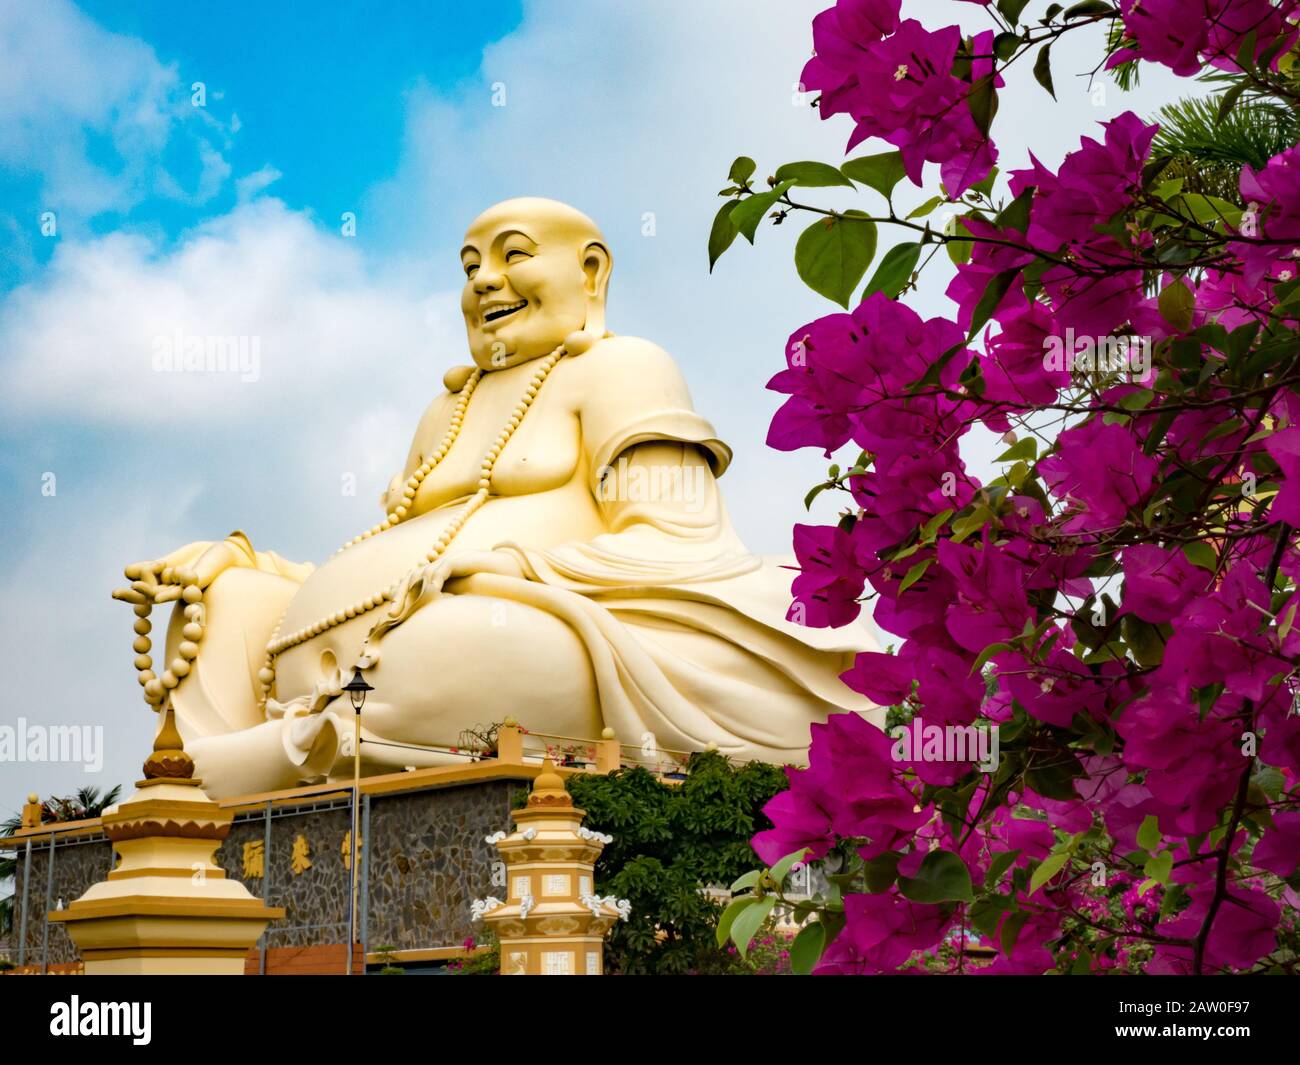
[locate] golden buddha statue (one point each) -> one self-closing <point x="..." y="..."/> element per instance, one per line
<point x="554" y="550"/>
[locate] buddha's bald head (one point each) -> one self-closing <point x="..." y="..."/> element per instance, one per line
<point x="536" y="270"/>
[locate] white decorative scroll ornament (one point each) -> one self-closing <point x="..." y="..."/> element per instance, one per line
<point x="526" y="905"/>
<point x="595" y="903"/>
<point x="599" y="837"/>
<point x="479" y="907"/>
<point x="495" y="838"/>
<point x="529" y="834"/>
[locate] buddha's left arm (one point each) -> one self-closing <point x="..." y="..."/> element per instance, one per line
<point x="666" y="522"/>
<point x="652" y="465"/>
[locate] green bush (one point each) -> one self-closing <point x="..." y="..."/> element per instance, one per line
<point x="670" y="840"/>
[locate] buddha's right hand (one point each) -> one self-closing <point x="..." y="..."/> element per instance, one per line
<point x="194" y="565"/>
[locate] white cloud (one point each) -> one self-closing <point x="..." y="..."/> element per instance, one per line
<point x="69" y="89"/>
<point x="250" y="185"/>
<point x="94" y="338"/>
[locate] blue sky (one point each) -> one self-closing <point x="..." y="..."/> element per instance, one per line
<point x="226" y="219"/>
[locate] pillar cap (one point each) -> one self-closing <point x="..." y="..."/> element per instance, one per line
<point x="548" y="788"/>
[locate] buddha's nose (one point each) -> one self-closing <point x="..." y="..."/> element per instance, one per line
<point x="487" y="281"/>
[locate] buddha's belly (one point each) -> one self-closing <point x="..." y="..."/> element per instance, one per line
<point x="539" y="520"/>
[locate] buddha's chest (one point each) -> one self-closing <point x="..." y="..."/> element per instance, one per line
<point x="541" y="453"/>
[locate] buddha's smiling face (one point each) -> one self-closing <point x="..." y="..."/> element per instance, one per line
<point x="535" y="270"/>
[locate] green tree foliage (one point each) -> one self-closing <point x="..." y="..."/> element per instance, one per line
<point x="669" y="842"/>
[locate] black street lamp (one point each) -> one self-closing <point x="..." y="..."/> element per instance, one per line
<point x="357" y="690"/>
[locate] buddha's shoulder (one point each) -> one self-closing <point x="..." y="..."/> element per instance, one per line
<point x="621" y="362"/>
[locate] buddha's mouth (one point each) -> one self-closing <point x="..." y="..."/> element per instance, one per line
<point x="503" y="310"/>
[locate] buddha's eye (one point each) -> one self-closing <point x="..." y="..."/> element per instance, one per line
<point x="471" y="269"/>
<point x="510" y="255"/>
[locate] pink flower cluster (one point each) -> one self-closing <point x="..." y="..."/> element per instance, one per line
<point x="898" y="82"/>
<point x="971" y="577"/>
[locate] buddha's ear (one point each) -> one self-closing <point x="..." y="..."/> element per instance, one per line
<point x="596" y="266"/>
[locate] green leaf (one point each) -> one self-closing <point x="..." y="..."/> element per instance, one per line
<point x="1229" y="98"/>
<point x="1210" y="209"/>
<point x="1137" y="399"/>
<point x="1088" y="7"/>
<point x="1047" y="868"/>
<point x="806" y="950"/>
<point x="723" y="232"/>
<point x="1043" y="69"/>
<point x="931" y="528"/>
<point x="782" y="868"/>
<point x="880" y="172"/>
<point x="913" y="575"/>
<point x="1011" y="9"/>
<point x="959" y="251"/>
<point x="986" y="912"/>
<point x="832" y="254"/>
<point x="1159" y="866"/>
<point x="749" y="921"/>
<point x="881" y="871"/>
<point x="1201" y="554"/>
<point x="983" y="104"/>
<point x="1006" y="44"/>
<point x="926" y="207"/>
<point x="895" y="270"/>
<point x="1011" y="930"/>
<point x="749" y="212"/>
<point x="943" y="877"/>
<point x="1270" y="782"/>
<point x="812" y="175"/>
<point x="1021" y="449"/>
<point x="984" y="656"/>
<point x="1176" y="304"/>
<point x="1148" y="837"/>
<point x="729" y="915"/>
<point x="1015" y="215"/>
<point x="985" y="184"/>
<point x="1000" y="864"/>
<point x="1143" y="640"/>
<point x="741" y="170"/>
<point x="999" y="285"/>
<point x="971" y="523"/>
<point x="746" y="880"/>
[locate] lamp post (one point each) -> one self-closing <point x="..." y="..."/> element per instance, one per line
<point x="357" y="689"/>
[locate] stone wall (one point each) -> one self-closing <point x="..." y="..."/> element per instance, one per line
<point x="77" y="865"/>
<point x="425" y="860"/>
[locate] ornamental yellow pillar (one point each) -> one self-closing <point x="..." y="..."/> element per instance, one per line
<point x="166" y="908"/>
<point x="552" y="922"/>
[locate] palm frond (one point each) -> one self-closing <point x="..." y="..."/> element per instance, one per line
<point x="1126" y="75"/>
<point x="1251" y="133"/>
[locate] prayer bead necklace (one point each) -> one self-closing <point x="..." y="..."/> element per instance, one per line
<point x="279" y="644"/>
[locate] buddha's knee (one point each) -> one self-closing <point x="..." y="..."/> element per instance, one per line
<point x="464" y="660"/>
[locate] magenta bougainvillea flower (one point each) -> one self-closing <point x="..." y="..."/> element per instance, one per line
<point x="1120" y="602"/>
<point x="1184" y="34"/>
<point x="842" y="37"/>
<point x="1284" y="448"/>
<point x="1160" y="582"/>
<point x="1101" y="469"/>
<point x="1092" y="186"/>
<point x="830" y="577"/>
